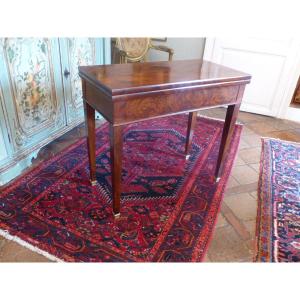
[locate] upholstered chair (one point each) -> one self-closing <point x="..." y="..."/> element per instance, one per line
<point x="126" y="50"/>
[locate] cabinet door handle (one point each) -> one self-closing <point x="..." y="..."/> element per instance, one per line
<point x="66" y="73"/>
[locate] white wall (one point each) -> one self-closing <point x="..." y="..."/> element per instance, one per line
<point x="184" y="48"/>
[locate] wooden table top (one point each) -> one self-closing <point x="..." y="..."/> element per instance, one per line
<point x="120" y="79"/>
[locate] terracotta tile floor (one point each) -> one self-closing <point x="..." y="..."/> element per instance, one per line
<point x="233" y="238"/>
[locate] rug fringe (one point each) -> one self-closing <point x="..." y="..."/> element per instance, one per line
<point x="25" y="244"/>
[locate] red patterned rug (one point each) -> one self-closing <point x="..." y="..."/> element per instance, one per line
<point x="278" y="217"/>
<point x="168" y="207"/>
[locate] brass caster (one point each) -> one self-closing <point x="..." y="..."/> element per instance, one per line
<point x="117" y="216"/>
<point x="93" y="182"/>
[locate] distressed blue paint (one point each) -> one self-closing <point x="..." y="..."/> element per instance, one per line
<point x="99" y="51"/>
<point x="77" y="115"/>
<point x="107" y="51"/>
<point x="59" y="57"/>
<point x="5" y="92"/>
<point x="3" y="151"/>
<point x="11" y="109"/>
<point x="5" y="146"/>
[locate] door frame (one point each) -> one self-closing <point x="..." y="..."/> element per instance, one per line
<point x="285" y="111"/>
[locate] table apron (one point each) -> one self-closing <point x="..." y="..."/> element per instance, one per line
<point x="98" y="100"/>
<point x="132" y="108"/>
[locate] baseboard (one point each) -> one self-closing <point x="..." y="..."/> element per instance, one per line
<point x="293" y="114"/>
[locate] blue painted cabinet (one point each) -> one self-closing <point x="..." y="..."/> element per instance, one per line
<point x="40" y="94"/>
<point x="3" y="143"/>
<point x="75" y="52"/>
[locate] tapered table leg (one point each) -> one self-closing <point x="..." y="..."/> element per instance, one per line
<point x="190" y="132"/>
<point x="230" y="119"/>
<point x="116" y="141"/>
<point x="91" y="139"/>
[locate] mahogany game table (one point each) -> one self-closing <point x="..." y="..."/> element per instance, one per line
<point x="127" y="93"/>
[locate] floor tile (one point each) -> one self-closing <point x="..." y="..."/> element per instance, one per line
<point x="243" y="144"/>
<point x="262" y="128"/>
<point x="231" y="183"/>
<point x="250" y="156"/>
<point x="13" y="252"/>
<point x="221" y="221"/>
<point x="255" y="167"/>
<point x="250" y="225"/>
<point x="284" y="135"/>
<point x="247" y="131"/>
<point x="206" y="259"/>
<point x="253" y="140"/>
<point x="242" y="188"/>
<point x="30" y="256"/>
<point x="254" y="194"/>
<point x="292" y="124"/>
<point x="280" y="124"/>
<point x="9" y="251"/>
<point x="239" y="161"/>
<point x="244" y="174"/>
<point x="243" y="205"/>
<point x="227" y="246"/>
<point x="234" y="222"/>
<point x="2" y="241"/>
<point x="250" y="118"/>
<point x="297" y="130"/>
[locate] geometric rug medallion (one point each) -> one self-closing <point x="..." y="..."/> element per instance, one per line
<point x="169" y="205"/>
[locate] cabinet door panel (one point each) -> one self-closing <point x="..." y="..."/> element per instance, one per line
<point x="76" y="52"/>
<point x="3" y="153"/>
<point x="3" y="144"/>
<point x="32" y="80"/>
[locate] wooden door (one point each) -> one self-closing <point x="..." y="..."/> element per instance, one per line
<point x="77" y="52"/>
<point x="32" y="91"/>
<point x="271" y="63"/>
